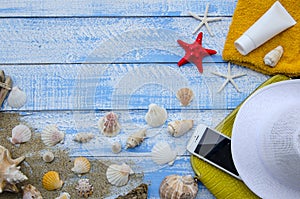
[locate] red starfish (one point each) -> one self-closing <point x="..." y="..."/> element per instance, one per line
<point x="195" y="52"/>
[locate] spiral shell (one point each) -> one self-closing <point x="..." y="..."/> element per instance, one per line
<point x="136" y="138"/>
<point x="273" y="57"/>
<point x="116" y="147"/>
<point x="109" y="124"/>
<point x="179" y="127"/>
<point x="83" y="137"/>
<point x="30" y="192"/>
<point x="64" y="195"/>
<point x="20" y="134"/>
<point x="48" y="156"/>
<point x="118" y="175"/>
<point x="51" y="135"/>
<point x="84" y="188"/>
<point x="178" y="187"/>
<point x="162" y="153"/>
<point x="16" y="98"/>
<point x="185" y="96"/>
<point x="81" y="165"/>
<point x="156" y="115"/>
<point x="51" y="181"/>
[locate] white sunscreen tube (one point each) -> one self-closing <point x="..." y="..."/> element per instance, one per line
<point x="274" y="21"/>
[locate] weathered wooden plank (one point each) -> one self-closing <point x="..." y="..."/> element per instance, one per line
<point x="46" y="8"/>
<point x="127" y="86"/>
<point x="103" y="40"/>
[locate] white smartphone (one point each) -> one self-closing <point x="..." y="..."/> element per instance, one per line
<point x="213" y="147"/>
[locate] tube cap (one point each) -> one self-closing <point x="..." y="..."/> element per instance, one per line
<point x="244" y="44"/>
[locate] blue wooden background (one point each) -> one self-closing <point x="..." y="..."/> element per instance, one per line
<point x="77" y="60"/>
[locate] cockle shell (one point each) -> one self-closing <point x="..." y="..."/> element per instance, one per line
<point x="109" y="124"/>
<point x="116" y="147"/>
<point x="51" y="135"/>
<point x="156" y="115"/>
<point x="136" y="138"/>
<point x="185" y="96"/>
<point x="48" y="156"/>
<point x="273" y="57"/>
<point x="84" y="188"/>
<point x="10" y="173"/>
<point x="178" y="187"/>
<point x="118" y="175"/>
<point x="64" y="195"/>
<point x="16" y="98"/>
<point x="51" y="181"/>
<point x="162" y="153"/>
<point x="83" y="137"/>
<point x="31" y="192"/>
<point x="20" y="134"/>
<point x="81" y="165"/>
<point x="179" y="127"/>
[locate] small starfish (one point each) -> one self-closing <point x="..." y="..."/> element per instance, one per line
<point x="195" y="52"/>
<point x="229" y="78"/>
<point x="204" y="20"/>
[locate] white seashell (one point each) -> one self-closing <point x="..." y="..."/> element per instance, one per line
<point x="156" y="115"/>
<point x="16" y="98"/>
<point x="179" y="127"/>
<point x="48" y="156"/>
<point x="116" y="147"/>
<point x="20" y="134"/>
<point x="118" y="175"/>
<point x="162" y="153"/>
<point x="185" y="96"/>
<point x="273" y="57"/>
<point x="64" y="195"/>
<point x="14" y="175"/>
<point x="51" y="135"/>
<point x="84" y="188"/>
<point x="109" y="124"/>
<point x="30" y="192"/>
<point x="136" y="138"/>
<point x="81" y="165"/>
<point x="175" y="187"/>
<point x="83" y="137"/>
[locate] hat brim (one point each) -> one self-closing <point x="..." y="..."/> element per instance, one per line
<point x="256" y="116"/>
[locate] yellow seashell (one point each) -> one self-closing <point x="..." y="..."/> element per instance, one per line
<point x="51" y="181"/>
<point x="81" y="165"/>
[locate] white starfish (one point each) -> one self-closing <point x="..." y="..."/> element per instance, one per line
<point x="229" y="78"/>
<point x="204" y="20"/>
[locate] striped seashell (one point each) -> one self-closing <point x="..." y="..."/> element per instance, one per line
<point x="51" y="135"/>
<point x="179" y="127"/>
<point x="16" y="98"/>
<point x="118" y="175"/>
<point x="31" y="192"/>
<point x="51" y="181"/>
<point x="156" y="115"/>
<point x="20" y="134"/>
<point x="185" y="96"/>
<point x="162" y="153"/>
<point x="81" y="165"/>
<point x="109" y="124"/>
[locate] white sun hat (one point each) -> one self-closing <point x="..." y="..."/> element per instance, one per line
<point x="266" y="141"/>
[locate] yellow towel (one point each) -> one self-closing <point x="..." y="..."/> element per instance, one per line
<point x="245" y="14"/>
<point x="219" y="183"/>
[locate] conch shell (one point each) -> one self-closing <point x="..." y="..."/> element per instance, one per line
<point x="179" y="127"/>
<point x="156" y="115"/>
<point x="273" y="57"/>
<point x="136" y="138"/>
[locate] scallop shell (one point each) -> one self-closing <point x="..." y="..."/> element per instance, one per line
<point x="83" y="137"/>
<point x="30" y="192"/>
<point x="84" y="188"/>
<point x="162" y="153"/>
<point x="178" y="187"/>
<point x="51" y="135"/>
<point x="109" y="124"/>
<point x="16" y="98"/>
<point x="64" y="195"/>
<point x="116" y="147"/>
<point x="179" y="127"/>
<point x="273" y="57"/>
<point x="48" y="156"/>
<point x="156" y="115"/>
<point x="81" y="165"/>
<point x="136" y="138"/>
<point x="20" y="134"/>
<point x="185" y="96"/>
<point x="51" y="181"/>
<point x="118" y="175"/>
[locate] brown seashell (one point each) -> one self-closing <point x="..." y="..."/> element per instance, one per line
<point x="136" y="138"/>
<point x="51" y="181"/>
<point x="30" y="192"/>
<point x="140" y="192"/>
<point x="84" y="188"/>
<point x="185" y="96"/>
<point x="178" y="187"/>
<point x="81" y="165"/>
<point x="109" y="124"/>
<point x="179" y="127"/>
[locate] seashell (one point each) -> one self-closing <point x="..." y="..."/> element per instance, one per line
<point x="162" y="153"/>
<point x="273" y="57"/>
<point x="109" y="124"/>
<point x="118" y="175"/>
<point x="51" y="135"/>
<point x="175" y="186"/>
<point x="156" y="115"/>
<point x="185" y="96"/>
<point x="136" y="138"/>
<point x="16" y="98"/>
<point x="83" y="137"/>
<point x="64" y="195"/>
<point x="51" y="181"/>
<point x="179" y="127"/>
<point x="139" y="192"/>
<point x="20" y="134"/>
<point x="84" y="188"/>
<point x="81" y="165"/>
<point x="30" y="192"/>
<point x="116" y="147"/>
<point x="48" y="156"/>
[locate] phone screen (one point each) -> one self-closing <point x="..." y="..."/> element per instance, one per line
<point x="217" y="149"/>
